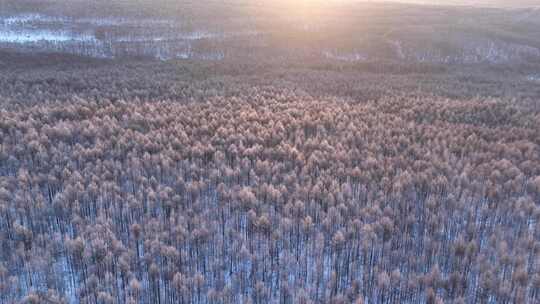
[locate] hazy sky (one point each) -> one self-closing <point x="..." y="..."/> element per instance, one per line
<point x="484" y="3"/>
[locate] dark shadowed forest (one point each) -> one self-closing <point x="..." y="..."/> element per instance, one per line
<point x="270" y="178"/>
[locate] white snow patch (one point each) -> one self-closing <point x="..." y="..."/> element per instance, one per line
<point x="197" y="35"/>
<point x="26" y="36"/>
<point x="491" y="51"/>
<point x="24" y="19"/>
<point x="354" y="56"/>
<point x="534" y="78"/>
<point x="29" y="18"/>
<point x="503" y="52"/>
<point x="193" y="55"/>
<point x="122" y="21"/>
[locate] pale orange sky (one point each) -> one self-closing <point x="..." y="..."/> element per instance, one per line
<point x="482" y="3"/>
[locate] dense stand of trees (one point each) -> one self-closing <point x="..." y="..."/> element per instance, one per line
<point x="279" y="174"/>
<point x="39" y="79"/>
<point x="270" y="196"/>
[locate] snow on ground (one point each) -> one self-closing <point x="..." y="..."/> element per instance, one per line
<point x="30" y="36"/>
<point x="30" y="18"/>
<point x="108" y="21"/>
<point x="496" y="52"/>
<point x="166" y="39"/>
<point x="534" y="78"/>
<point x="342" y="56"/>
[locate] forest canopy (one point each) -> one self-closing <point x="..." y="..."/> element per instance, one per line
<point x="270" y="194"/>
<point x="368" y="153"/>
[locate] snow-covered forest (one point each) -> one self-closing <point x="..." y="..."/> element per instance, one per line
<point x="294" y="168"/>
<point x="345" y="31"/>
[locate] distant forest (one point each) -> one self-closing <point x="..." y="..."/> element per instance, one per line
<point x="278" y="30"/>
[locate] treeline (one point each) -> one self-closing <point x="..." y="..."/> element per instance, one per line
<point x="28" y="79"/>
<point x="270" y="196"/>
